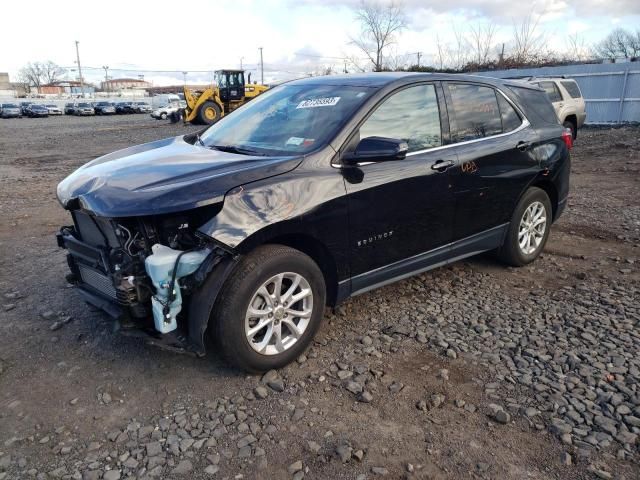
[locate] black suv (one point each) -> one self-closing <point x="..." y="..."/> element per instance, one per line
<point x="125" y="107"/>
<point x="318" y="190"/>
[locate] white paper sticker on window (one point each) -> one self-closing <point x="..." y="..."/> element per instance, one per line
<point x="294" y="141"/>
<point x="319" y="102"/>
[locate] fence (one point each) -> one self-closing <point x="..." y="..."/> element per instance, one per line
<point x="611" y="90"/>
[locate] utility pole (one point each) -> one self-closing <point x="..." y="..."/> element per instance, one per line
<point x="79" y="69"/>
<point x="106" y="77"/>
<point x="241" y="58"/>
<point x="501" y="56"/>
<point x="185" y="77"/>
<point x="419" y="54"/>
<point x="345" y="66"/>
<point x="261" y="67"/>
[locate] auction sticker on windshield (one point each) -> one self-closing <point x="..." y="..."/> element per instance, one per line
<point x="319" y="102"/>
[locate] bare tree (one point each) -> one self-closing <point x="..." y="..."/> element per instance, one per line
<point x="441" y="55"/>
<point x="395" y="61"/>
<point x="480" y="40"/>
<point x="51" y="72"/>
<point x="24" y="81"/>
<point x="576" y="48"/>
<point x="379" y="26"/>
<point x="619" y="43"/>
<point x="37" y="74"/>
<point x="459" y="55"/>
<point x="527" y="41"/>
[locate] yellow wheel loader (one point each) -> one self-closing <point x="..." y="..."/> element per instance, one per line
<point x="230" y="92"/>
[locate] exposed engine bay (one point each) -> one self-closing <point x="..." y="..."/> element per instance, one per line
<point x="139" y="269"/>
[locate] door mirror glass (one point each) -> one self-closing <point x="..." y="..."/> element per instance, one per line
<point x="377" y="149"/>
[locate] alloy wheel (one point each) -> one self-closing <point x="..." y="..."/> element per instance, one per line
<point x="279" y="313"/>
<point x="532" y="228"/>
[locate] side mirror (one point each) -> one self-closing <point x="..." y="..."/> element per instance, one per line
<point x="377" y="149"/>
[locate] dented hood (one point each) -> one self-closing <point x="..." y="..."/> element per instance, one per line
<point x="165" y="176"/>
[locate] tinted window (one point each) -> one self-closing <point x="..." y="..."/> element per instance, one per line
<point x="411" y="115"/>
<point x="474" y="112"/>
<point x="552" y="91"/>
<point x="510" y="118"/>
<point x="538" y="107"/>
<point x="572" y="88"/>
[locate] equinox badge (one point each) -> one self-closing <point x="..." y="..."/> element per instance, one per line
<point x="375" y="238"/>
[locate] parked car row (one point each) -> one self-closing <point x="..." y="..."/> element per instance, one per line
<point x="106" y="108"/>
<point x="28" y="109"/>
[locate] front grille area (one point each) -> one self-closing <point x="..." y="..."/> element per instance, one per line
<point x="97" y="280"/>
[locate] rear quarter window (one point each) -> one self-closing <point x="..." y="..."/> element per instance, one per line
<point x="510" y="118"/>
<point x="536" y="105"/>
<point x="572" y="88"/>
<point x="552" y="90"/>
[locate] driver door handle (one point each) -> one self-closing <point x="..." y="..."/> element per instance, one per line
<point x="442" y="165"/>
<point x="522" y="146"/>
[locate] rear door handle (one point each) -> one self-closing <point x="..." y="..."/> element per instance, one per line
<point x="442" y="165"/>
<point x="522" y="146"/>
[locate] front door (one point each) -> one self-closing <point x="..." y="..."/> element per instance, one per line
<point x="399" y="210"/>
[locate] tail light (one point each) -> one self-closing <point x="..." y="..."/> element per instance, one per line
<point x="567" y="138"/>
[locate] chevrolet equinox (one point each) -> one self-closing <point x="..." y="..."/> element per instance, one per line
<point x="236" y="237"/>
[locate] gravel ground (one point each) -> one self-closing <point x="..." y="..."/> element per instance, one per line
<point x="470" y="371"/>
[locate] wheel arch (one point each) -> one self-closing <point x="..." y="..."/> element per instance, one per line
<point x="307" y="244"/>
<point x="551" y="191"/>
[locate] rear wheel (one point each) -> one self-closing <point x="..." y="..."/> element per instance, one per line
<point x="209" y="113"/>
<point x="269" y="309"/>
<point x="529" y="229"/>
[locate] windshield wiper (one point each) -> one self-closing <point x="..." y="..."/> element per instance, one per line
<point x="240" y="150"/>
<point x="199" y="140"/>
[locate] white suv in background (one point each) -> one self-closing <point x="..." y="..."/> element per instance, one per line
<point x="163" y="112"/>
<point x="567" y="100"/>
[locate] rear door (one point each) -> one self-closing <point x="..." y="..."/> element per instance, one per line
<point x="493" y="142"/>
<point x="400" y="209"/>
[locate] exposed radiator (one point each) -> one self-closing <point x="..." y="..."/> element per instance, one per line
<point x="97" y="280"/>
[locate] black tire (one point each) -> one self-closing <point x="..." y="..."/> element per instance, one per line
<point x="511" y="253"/>
<point x="209" y="113"/>
<point x="228" y="317"/>
<point x="570" y="125"/>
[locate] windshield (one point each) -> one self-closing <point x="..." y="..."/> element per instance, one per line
<point x="9" y="105"/>
<point x="83" y="105"/>
<point x="289" y="119"/>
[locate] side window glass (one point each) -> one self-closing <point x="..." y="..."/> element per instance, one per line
<point x="510" y="118"/>
<point x="552" y="91"/>
<point x="411" y="115"/>
<point x="475" y="112"/>
<point x="572" y="88"/>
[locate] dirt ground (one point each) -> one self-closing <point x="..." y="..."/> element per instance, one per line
<point x="67" y="381"/>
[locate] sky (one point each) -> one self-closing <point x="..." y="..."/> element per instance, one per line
<point x="160" y="39"/>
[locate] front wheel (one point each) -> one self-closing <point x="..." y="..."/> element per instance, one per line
<point x="529" y="229"/>
<point x="269" y="309"/>
<point x="209" y="113"/>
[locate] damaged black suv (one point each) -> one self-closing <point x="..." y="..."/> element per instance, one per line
<point x="320" y="189"/>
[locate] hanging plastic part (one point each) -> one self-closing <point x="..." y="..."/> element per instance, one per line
<point x="166" y="267"/>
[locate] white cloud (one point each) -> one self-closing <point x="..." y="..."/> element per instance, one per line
<point x="201" y="35"/>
